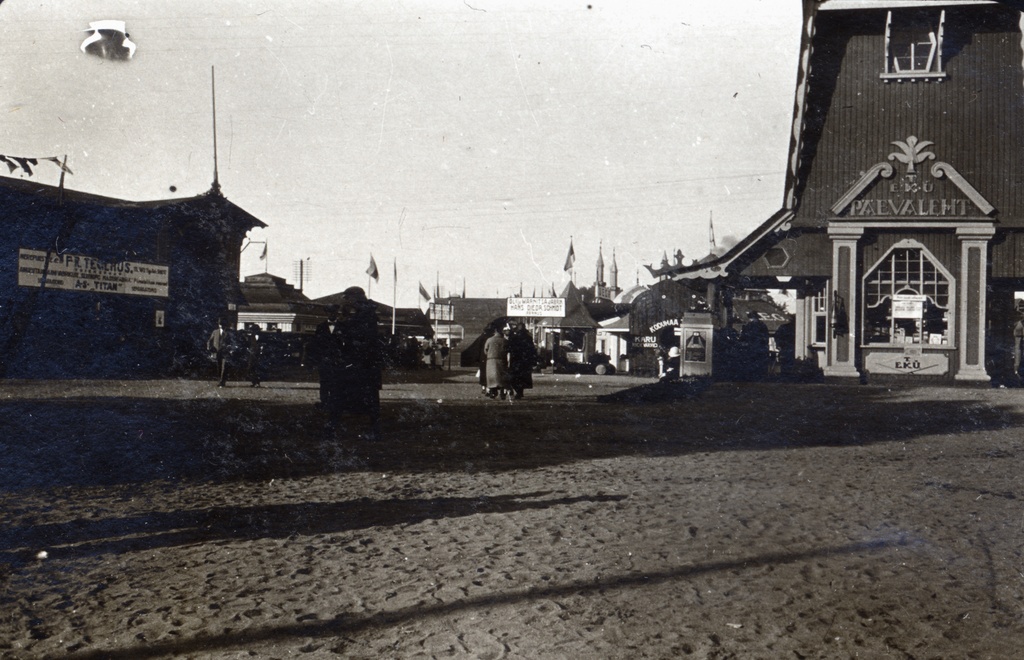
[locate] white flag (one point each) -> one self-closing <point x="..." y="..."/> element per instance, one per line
<point x="109" y="41"/>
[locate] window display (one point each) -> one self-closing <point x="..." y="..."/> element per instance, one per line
<point x="906" y="300"/>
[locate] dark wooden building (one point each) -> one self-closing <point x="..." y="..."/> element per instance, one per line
<point x="96" y="287"/>
<point x="902" y="227"/>
<point x="276" y="306"/>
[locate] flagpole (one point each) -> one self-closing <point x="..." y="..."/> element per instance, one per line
<point x="394" y="297"/>
<point x="437" y="294"/>
<point x="213" y="96"/>
<point x="63" y="168"/>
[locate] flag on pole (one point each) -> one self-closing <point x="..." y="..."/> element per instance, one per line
<point x="372" y="270"/>
<point x="570" y="258"/>
<point x="109" y="40"/>
<point x="423" y="292"/>
<point x="263" y="255"/>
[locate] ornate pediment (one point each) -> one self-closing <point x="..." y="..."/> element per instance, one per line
<point x="912" y="189"/>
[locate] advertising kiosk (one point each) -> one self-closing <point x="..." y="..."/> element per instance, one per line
<point x="696" y="336"/>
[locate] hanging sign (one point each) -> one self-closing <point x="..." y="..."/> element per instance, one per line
<point x="76" y="272"/>
<point x="550" y="307"/>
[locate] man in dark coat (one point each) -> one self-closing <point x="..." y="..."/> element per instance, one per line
<point x="327" y="349"/>
<point x="359" y="382"/>
<point x="364" y="359"/>
<point x="522" y="356"/>
<point x="253" y="358"/>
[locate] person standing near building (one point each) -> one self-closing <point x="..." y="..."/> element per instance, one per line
<point x="755" y="340"/>
<point x="785" y="343"/>
<point x="219" y="343"/>
<point x="522" y="356"/>
<point x="253" y="358"/>
<point x="362" y="359"/>
<point x="671" y="370"/>
<point x="327" y="354"/>
<point x="496" y="364"/>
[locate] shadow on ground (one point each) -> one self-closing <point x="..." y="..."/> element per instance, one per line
<point x="51" y="443"/>
<point x="342" y="626"/>
<point x="161" y="529"/>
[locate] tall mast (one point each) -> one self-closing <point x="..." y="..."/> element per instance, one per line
<point x="213" y="95"/>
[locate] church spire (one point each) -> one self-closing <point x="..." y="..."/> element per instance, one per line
<point x="613" y="274"/>
<point x="600" y="267"/>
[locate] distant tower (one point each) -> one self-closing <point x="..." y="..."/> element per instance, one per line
<point x="599" y="280"/>
<point x="614" y="274"/>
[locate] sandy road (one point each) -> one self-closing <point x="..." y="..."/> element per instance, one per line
<point x="757" y="521"/>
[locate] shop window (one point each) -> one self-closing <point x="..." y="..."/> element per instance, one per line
<point x="907" y="299"/>
<point x="913" y="45"/>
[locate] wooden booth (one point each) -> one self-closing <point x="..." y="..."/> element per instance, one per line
<point x="902" y="227"/>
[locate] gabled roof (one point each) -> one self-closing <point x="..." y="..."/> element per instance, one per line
<point x="716" y="266"/>
<point x="267" y="289"/>
<point x="829" y="65"/>
<point x="576" y="314"/>
<point x="55" y="195"/>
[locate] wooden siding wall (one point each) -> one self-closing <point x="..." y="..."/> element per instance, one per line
<point x="810" y="255"/>
<point x="975" y="117"/>
<point x="1007" y="258"/>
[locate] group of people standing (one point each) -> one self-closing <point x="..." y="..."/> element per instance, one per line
<point x="506" y="366"/>
<point x="349" y="356"/>
<point x="223" y="344"/>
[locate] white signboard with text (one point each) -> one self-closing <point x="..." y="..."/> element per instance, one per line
<point x="908" y="363"/>
<point x="76" y="272"/>
<point x="552" y="307"/>
<point x="906" y="306"/>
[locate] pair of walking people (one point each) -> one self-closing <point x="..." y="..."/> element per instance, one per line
<point x="223" y="343"/>
<point x="509" y="356"/>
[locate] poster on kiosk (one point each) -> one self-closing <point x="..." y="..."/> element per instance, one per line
<point x="696" y="334"/>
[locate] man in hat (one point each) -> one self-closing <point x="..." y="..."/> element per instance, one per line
<point x="326" y="350"/>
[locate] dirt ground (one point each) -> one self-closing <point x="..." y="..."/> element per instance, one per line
<point x="754" y="521"/>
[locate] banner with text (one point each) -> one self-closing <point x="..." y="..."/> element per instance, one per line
<point x="76" y="272"/>
<point x="553" y="307"/>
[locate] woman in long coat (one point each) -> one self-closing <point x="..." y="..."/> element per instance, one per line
<point x="496" y="364"/>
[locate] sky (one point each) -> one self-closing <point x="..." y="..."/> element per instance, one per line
<point x="463" y="142"/>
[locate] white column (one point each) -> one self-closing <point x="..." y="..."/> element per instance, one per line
<point x="801" y="325"/>
<point x="842" y="351"/>
<point x="971" y="304"/>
